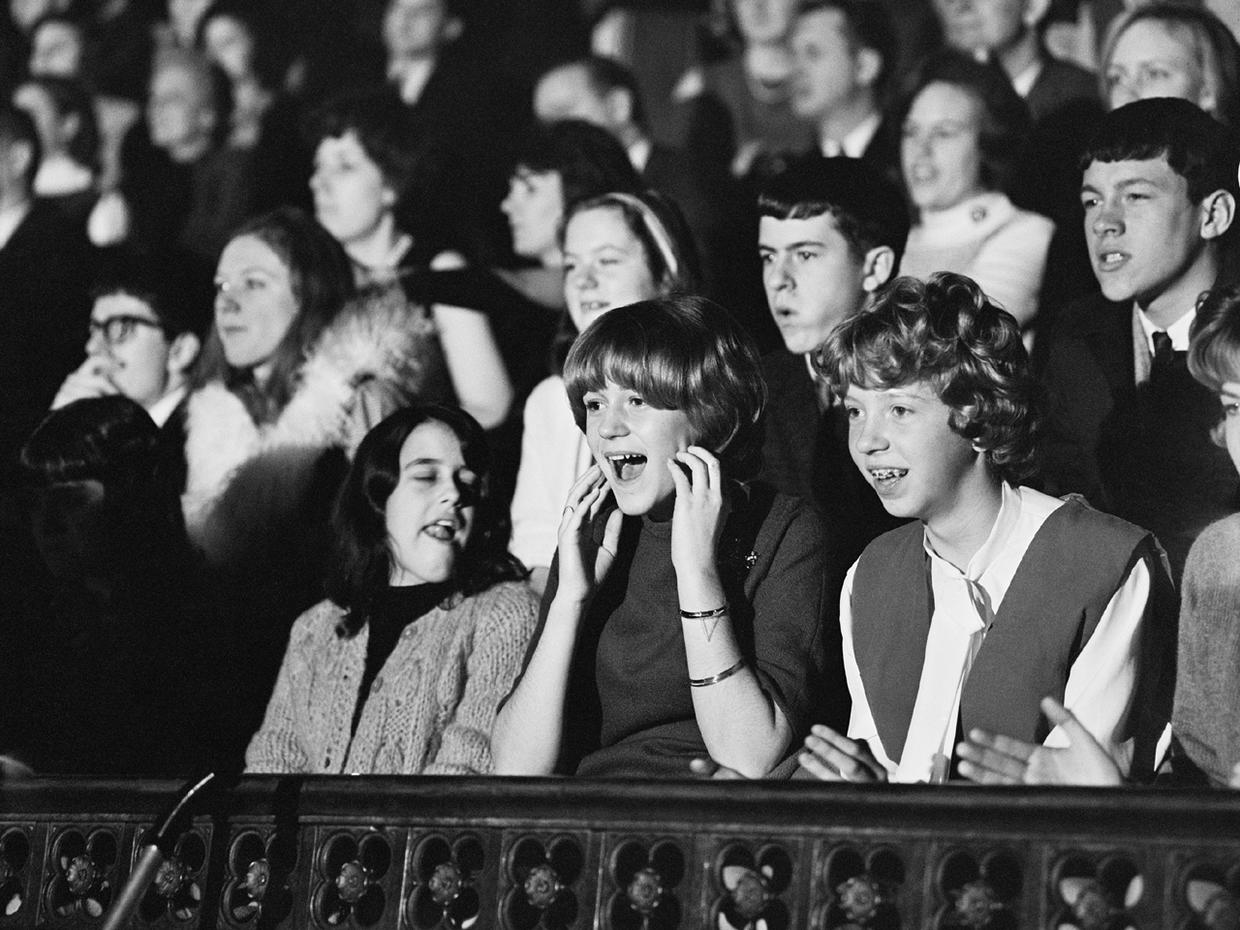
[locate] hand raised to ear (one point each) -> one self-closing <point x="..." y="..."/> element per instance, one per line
<point x="990" y="759"/>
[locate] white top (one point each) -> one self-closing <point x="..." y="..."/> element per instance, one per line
<point x="1100" y="683"/>
<point x="855" y="143"/>
<point x="554" y="454"/>
<point x="1000" y="247"/>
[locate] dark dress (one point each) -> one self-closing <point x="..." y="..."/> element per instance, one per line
<point x="629" y="710"/>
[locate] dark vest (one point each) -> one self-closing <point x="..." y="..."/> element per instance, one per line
<point x="1074" y="565"/>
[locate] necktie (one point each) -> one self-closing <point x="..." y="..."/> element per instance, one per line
<point x="1164" y="356"/>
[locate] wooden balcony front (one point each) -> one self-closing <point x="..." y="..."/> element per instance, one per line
<point x="521" y="854"/>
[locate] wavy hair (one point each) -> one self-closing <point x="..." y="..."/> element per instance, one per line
<point x="679" y="353"/>
<point x="362" y="561"/>
<point x="947" y="332"/>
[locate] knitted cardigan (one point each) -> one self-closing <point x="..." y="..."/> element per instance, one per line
<point x="431" y="706"/>
<point x="1207" y="688"/>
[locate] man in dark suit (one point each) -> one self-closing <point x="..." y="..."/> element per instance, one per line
<point x="44" y="285"/>
<point x="604" y="92"/>
<point x="830" y="232"/>
<point x="842" y="57"/>
<point x="1129" y="428"/>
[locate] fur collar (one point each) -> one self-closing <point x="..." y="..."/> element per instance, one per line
<point x="376" y="356"/>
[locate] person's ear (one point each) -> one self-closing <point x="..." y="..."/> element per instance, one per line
<point x="877" y="268"/>
<point x="452" y="28"/>
<point x="387" y="197"/>
<point x="1034" y="11"/>
<point x="182" y="353"/>
<point x="1218" y="211"/>
<point x="868" y="64"/>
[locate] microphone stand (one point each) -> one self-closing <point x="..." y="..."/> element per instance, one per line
<point x="158" y="843"/>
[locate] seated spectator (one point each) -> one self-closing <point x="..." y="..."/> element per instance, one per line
<point x="184" y="185"/>
<point x="739" y="108"/>
<point x="64" y="116"/>
<point x="110" y="645"/>
<point x="401" y="671"/>
<point x="963" y="129"/>
<point x="1128" y="426"/>
<point x="1171" y="49"/>
<point x="843" y="52"/>
<point x="618" y="249"/>
<point x="1206" y="740"/>
<point x="998" y="594"/>
<point x="831" y="232"/>
<point x="604" y="92"/>
<point x="147" y="327"/>
<point x="367" y="169"/>
<point x="45" y="264"/>
<point x="670" y="395"/>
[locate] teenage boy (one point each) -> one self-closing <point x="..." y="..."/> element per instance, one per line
<point x="997" y="594"/>
<point x="830" y="232"/>
<point x="1129" y="427"/>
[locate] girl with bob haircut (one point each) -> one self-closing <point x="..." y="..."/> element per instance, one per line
<point x="1205" y="747"/>
<point x="669" y="395"/>
<point x="940" y="617"/>
<point x="401" y="669"/>
<point x="618" y="248"/>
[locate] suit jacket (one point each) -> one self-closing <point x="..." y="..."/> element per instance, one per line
<point x="1142" y="453"/>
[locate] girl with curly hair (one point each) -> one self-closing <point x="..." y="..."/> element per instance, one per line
<point x="997" y="594"/>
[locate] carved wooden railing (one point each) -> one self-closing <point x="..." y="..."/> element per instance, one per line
<point x="522" y="854"/>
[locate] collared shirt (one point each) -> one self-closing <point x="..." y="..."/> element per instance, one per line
<point x="639" y="154"/>
<point x="162" y="408"/>
<point x="855" y="143"/>
<point x="10" y="219"/>
<point x="1100" y="683"/>
<point x="1178" y="331"/>
<point x="1023" y="82"/>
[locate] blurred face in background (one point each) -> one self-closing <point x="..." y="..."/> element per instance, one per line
<point x="229" y="44"/>
<point x="605" y="265"/>
<point x="1153" y="59"/>
<point x="351" y="199"/>
<point x="417" y="28"/>
<point x="254" y="303"/>
<point x="534" y="206"/>
<point x="180" y="112"/>
<point x="981" y="25"/>
<point x="763" y="22"/>
<point x="183" y="16"/>
<point x="56" y="50"/>
<point x="940" y="148"/>
<point x="824" y="65"/>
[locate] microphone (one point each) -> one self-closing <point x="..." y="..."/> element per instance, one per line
<point x="158" y="844"/>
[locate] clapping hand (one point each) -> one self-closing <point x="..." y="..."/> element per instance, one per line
<point x="585" y="560"/>
<point x="990" y="759"/>
<point x="831" y="756"/>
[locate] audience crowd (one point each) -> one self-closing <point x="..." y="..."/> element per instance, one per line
<point x="433" y="387"/>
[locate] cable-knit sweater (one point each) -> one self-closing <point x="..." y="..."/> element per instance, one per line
<point x="1207" y="688"/>
<point x="430" y="708"/>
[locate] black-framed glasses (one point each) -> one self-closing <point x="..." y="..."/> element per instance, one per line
<point x="119" y="328"/>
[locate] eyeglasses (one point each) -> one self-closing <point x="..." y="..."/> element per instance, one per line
<point x="119" y="328"/>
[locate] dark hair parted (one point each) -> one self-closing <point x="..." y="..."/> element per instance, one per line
<point x="867" y="24"/>
<point x="362" y="563"/>
<point x="868" y="209"/>
<point x="947" y="332"/>
<point x="589" y="159"/>
<point x="384" y="129"/>
<point x="1003" y="115"/>
<point x="322" y="281"/>
<point x="1209" y="40"/>
<point x="1195" y="145"/>
<point x="679" y="353"/>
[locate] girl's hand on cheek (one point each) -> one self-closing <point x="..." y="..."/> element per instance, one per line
<point x="585" y="560"/>
<point x="696" y="517"/>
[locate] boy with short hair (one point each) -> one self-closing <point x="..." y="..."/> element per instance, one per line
<point x="1129" y="428"/>
<point x="997" y="595"/>
<point x="831" y="231"/>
